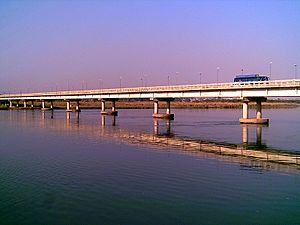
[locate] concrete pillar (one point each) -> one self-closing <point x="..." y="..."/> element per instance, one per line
<point x="166" y="115"/>
<point x="25" y="104"/>
<point x="32" y="105"/>
<point x="258" y="109"/>
<point x="156" y="107"/>
<point x="43" y="104"/>
<point x="68" y="106"/>
<point x="113" y="107"/>
<point x="51" y="105"/>
<point x="10" y="104"/>
<point x="77" y="107"/>
<point x="102" y="106"/>
<point x="168" y="111"/>
<point x="245" y="110"/>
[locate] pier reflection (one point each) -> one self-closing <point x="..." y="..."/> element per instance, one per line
<point x="249" y="154"/>
<point x="258" y="128"/>
<point x="162" y="127"/>
<point x="103" y="120"/>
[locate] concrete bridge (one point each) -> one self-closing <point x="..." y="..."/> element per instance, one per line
<point x="247" y="91"/>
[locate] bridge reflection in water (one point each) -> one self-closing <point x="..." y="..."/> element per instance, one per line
<point x="249" y="154"/>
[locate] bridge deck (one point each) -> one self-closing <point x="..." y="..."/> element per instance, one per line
<point x="277" y="88"/>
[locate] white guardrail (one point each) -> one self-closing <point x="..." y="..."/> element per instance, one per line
<point x="174" y="88"/>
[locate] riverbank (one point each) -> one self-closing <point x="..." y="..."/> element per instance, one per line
<point x="209" y="104"/>
<point x="175" y="104"/>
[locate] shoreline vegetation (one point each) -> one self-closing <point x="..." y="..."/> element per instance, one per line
<point x="209" y="104"/>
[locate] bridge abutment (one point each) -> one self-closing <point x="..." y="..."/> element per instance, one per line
<point x="258" y="119"/>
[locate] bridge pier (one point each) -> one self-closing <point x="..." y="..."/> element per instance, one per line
<point x="68" y="106"/>
<point x="25" y="104"/>
<point x="113" y="111"/>
<point x="168" y="114"/>
<point x="10" y="104"/>
<point x="51" y="105"/>
<point x="43" y="105"/>
<point x="258" y="119"/>
<point x="77" y="109"/>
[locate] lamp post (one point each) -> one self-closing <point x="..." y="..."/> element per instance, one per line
<point x="270" y="69"/>
<point x="200" y="74"/>
<point x="168" y="80"/>
<point x="295" y="65"/>
<point x="176" y="73"/>
<point x="146" y="80"/>
<point x="120" y="82"/>
<point x="218" y="69"/>
<point x="100" y="83"/>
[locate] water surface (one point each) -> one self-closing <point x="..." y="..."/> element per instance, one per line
<point x="55" y="170"/>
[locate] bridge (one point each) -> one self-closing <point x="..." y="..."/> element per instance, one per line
<point x="247" y="91"/>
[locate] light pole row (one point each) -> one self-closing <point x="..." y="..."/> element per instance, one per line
<point x="144" y="78"/>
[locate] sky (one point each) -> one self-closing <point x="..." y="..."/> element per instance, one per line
<point x="54" y="45"/>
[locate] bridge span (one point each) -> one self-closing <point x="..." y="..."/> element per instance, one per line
<point x="248" y="91"/>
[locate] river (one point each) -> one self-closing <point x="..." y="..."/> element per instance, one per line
<point x="132" y="169"/>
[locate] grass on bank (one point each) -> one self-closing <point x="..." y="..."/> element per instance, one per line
<point x="234" y="104"/>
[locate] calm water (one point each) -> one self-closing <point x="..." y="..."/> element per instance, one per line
<point x="78" y="171"/>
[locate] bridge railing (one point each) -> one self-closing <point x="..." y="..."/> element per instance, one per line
<point x="173" y="88"/>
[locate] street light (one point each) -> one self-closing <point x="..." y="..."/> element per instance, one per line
<point x="146" y="80"/>
<point x="200" y="74"/>
<point x="168" y="80"/>
<point x="295" y="65"/>
<point x="120" y="82"/>
<point x="218" y="69"/>
<point x="100" y="83"/>
<point x="177" y="73"/>
<point x="270" y="69"/>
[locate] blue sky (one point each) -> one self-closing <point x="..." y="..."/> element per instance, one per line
<point x="50" y="45"/>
